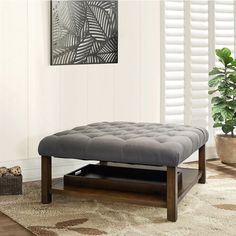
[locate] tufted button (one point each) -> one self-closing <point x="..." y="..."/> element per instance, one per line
<point x="126" y="141"/>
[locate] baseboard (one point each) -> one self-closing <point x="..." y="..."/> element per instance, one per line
<point x="211" y="153"/>
<point x="31" y="168"/>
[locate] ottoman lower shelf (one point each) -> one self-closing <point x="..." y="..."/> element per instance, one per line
<point x="121" y="178"/>
<point x="143" y="192"/>
<point x="108" y="195"/>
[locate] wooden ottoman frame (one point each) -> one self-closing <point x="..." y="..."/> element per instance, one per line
<point x="173" y="195"/>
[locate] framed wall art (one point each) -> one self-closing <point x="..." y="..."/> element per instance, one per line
<point x="84" y="32"/>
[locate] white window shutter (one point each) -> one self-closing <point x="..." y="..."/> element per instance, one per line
<point x="224" y="24"/>
<point x="173" y="68"/>
<point x="198" y="76"/>
<point x="191" y="32"/>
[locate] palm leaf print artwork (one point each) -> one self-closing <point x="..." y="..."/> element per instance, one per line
<point x="84" y="32"/>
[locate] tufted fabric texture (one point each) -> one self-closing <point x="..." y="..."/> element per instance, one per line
<point x="126" y="142"/>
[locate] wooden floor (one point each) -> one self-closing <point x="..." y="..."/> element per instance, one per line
<point x="8" y="227"/>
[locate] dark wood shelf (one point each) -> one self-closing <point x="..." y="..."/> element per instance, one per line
<point x="108" y="195"/>
<point x="120" y="178"/>
<point x="123" y="184"/>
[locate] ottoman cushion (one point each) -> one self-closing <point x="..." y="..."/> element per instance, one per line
<point x="126" y="142"/>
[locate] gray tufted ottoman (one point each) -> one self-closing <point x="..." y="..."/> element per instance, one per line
<point x="132" y="143"/>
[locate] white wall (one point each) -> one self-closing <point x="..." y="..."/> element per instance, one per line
<point x="37" y="99"/>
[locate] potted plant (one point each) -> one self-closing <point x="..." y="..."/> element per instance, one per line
<point x="222" y="86"/>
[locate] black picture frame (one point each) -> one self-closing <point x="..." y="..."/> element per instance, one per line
<point x="86" y="44"/>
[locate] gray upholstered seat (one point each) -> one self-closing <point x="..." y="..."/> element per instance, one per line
<point x="126" y="142"/>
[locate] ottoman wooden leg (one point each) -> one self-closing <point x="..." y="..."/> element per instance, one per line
<point x="202" y="164"/>
<point x="46" y="177"/>
<point x="172" y="194"/>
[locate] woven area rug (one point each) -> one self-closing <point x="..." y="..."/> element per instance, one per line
<point x="208" y="209"/>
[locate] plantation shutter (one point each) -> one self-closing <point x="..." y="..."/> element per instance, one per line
<point x="186" y="62"/>
<point x="191" y="31"/>
<point x="224" y="24"/>
<point x="173" y="54"/>
<point x="198" y="76"/>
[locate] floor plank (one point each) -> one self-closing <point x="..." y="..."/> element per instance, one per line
<point x="8" y="227"/>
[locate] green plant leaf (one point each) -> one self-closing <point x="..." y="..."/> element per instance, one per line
<point x="224" y="55"/>
<point x="231" y="122"/>
<point x="210" y="92"/>
<point x="227" y="113"/>
<point x="231" y="92"/>
<point x="224" y="89"/>
<point x="217" y="117"/>
<point x="215" y="81"/>
<point x="216" y="109"/>
<point x="228" y="60"/>
<point x="232" y="104"/>
<point x="232" y="77"/>
<point x="233" y="63"/>
<point x="217" y="125"/>
<point x="227" y="128"/>
<point x="216" y="71"/>
<point x="216" y="100"/>
<point x="221" y="104"/>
